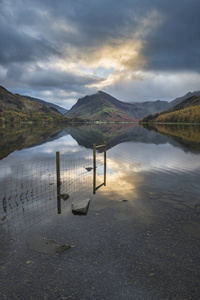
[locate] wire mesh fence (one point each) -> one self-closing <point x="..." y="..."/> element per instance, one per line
<point x="28" y="192"/>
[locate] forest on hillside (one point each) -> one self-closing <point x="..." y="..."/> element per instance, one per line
<point x="186" y="115"/>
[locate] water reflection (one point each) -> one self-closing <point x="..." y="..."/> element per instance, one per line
<point x="144" y="224"/>
<point x="18" y="137"/>
<point x="140" y="163"/>
<point x="68" y="139"/>
<point x="29" y="193"/>
<point x="186" y="135"/>
<point x="122" y="180"/>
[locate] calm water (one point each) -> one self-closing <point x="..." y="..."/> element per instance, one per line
<point x="140" y="238"/>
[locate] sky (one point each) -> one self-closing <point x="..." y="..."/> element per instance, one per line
<point x="135" y="50"/>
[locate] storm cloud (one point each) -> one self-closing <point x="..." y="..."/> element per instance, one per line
<point x="135" y="50"/>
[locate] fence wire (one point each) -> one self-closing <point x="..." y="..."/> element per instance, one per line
<point x="28" y="192"/>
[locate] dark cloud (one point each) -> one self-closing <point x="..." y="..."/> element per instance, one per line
<point x="17" y="45"/>
<point x="59" y="79"/>
<point x="50" y="79"/>
<point x="36" y="34"/>
<point x="95" y="21"/>
<point x="20" y="48"/>
<point x="175" y="45"/>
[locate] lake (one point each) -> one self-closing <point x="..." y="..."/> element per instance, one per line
<point x="140" y="238"/>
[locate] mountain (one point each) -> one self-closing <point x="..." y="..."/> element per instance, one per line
<point x="62" y="110"/>
<point x="179" y="99"/>
<point x="187" y="111"/>
<point x="98" y="107"/>
<point x="142" y="109"/>
<point x="102" y="106"/>
<point x="15" y="108"/>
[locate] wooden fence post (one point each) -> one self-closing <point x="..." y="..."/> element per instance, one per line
<point x="94" y="168"/>
<point x="105" y="163"/>
<point x="58" y="181"/>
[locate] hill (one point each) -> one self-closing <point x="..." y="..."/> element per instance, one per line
<point x="186" y="96"/>
<point x="62" y="110"/>
<point x="102" y="106"/>
<point x="187" y="111"/>
<point x="98" y="107"/>
<point x="15" y="108"/>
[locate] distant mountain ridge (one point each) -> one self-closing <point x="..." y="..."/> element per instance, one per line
<point x="62" y="110"/>
<point x="186" y="111"/>
<point x="179" y="99"/>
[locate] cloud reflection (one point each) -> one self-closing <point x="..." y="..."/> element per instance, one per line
<point x="151" y="157"/>
<point x="122" y="181"/>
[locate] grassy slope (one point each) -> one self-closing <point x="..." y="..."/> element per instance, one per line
<point x="15" y="108"/>
<point x="98" y="107"/>
<point x="49" y="104"/>
<point x="187" y="111"/>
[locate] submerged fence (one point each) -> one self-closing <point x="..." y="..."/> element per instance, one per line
<point x="29" y="192"/>
<point x="95" y="187"/>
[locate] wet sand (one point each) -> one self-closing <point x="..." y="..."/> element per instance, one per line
<point x="143" y="248"/>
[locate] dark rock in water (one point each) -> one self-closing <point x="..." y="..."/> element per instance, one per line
<point x="62" y="248"/>
<point x="124" y="200"/>
<point x="81" y="206"/>
<point x="89" y="169"/>
<point x="64" y="196"/>
<point x="56" y="247"/>
<point x="44" y="245"/>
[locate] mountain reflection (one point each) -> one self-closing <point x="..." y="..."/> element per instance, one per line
<point x="147" y="167"/>
<point x="113" y="134"/>
<point x="19" y="137"/>
<point x="186" y="135"/>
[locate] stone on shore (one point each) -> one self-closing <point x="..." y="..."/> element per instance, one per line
<point x="81" y="206"/>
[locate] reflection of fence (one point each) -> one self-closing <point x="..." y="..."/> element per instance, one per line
<point x="28" y="192"/>
<point x="73" y="176"/>
<point x="95" y="167"/>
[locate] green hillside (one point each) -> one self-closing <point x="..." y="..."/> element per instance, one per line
<point x="100" y="107"/>
<point x="187" y="111"/>
<point x="62" y="110"/>
<point x="15" y="109"/>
